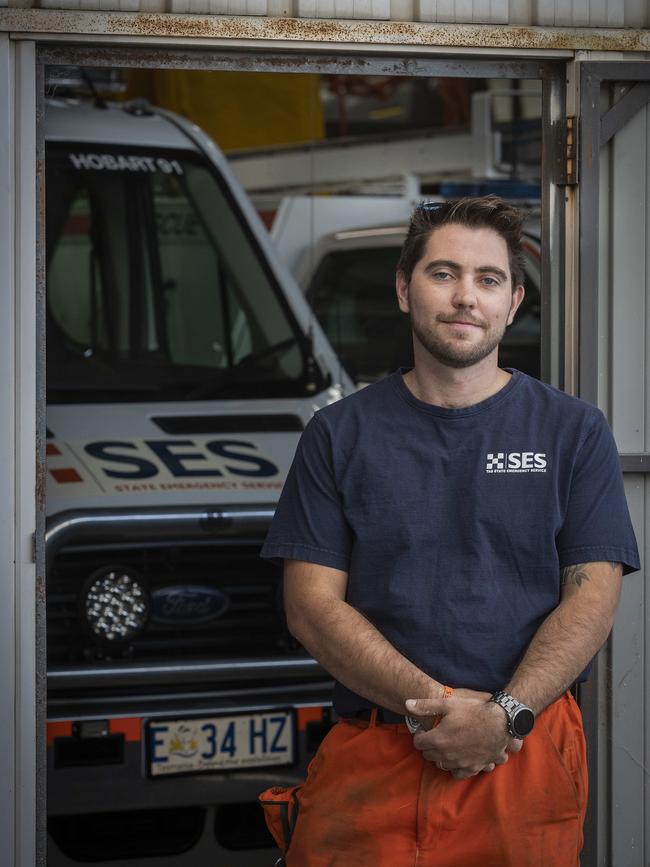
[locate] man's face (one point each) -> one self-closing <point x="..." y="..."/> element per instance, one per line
<point x="460" y="297"/>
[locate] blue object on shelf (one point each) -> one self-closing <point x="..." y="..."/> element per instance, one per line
<point x="500" y="187"/>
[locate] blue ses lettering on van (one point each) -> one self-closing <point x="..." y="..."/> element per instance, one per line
<point x="182" y="459"/>
<point x="141" y="468"/>
<point x="230" y="449"/>
<point x="174" y="460"/>
<point x="187" y="605"/>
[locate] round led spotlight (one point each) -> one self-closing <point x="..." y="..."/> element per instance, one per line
<point x="116" y="604"/>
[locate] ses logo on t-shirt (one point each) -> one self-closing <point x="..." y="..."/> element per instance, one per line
<point x="515" y="462"/>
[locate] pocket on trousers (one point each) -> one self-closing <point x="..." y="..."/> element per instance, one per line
<point x="575" y="761"/>
<point x="281" y="807"/>
<point x="571" y="756"/>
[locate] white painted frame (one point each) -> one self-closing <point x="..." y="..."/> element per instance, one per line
<point x="20" y="844"/>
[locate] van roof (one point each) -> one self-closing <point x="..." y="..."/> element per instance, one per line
<point x="81" y="121"/>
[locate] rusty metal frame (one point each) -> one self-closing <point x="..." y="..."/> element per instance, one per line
<point x="553" y="228"/>
<point x="39" y="536"/>
<point x="352" y="61"/>
<point x="355" y="60"/>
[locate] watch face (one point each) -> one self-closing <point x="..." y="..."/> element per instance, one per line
<point x="523" y="721"/>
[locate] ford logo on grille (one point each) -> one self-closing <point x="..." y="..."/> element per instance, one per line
<point x="187" y="605"/>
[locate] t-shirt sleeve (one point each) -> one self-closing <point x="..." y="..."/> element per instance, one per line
<point x="597" y="526"/>
<point x="309" y="522"/>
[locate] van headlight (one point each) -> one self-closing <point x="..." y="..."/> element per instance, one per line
<point x="116" y="604"/>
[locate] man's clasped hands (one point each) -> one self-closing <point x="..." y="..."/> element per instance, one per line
<point x="471" y="735"/>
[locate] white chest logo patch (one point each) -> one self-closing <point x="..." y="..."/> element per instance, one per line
<point x="515" y="462"/>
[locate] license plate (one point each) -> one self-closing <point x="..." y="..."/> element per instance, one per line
<point x="222" y="743"/>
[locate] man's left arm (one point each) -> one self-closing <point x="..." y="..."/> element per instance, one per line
<point x="570" y="636"/>
<point x="473" y="730"/>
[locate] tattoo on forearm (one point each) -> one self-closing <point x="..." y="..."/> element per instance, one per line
<point x="574" y="575"/>
<point x="578" y="575"/>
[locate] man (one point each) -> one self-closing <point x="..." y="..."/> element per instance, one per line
<point x="453" y="538"/>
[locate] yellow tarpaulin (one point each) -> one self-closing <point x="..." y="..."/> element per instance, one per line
<point x="238" y="109"/>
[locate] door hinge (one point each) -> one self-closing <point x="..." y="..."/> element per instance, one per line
<point x="566" y="160"/>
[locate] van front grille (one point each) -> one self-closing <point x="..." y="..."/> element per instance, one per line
<point x="252" y="624"/>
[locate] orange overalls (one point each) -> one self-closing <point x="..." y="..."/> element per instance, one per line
<point x="371" y="800"/>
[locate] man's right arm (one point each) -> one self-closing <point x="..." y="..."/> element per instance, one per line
<point x="347" y="645"/>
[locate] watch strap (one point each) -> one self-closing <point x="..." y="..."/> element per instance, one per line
<point x="510" y="705"/>
<point x="506" y="701"/>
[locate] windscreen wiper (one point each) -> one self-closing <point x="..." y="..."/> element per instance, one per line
<point x="224" y="378"/>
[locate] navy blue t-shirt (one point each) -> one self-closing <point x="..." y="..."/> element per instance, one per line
<point x="453" y="524"/>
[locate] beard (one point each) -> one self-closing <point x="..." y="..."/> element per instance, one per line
<point x="453" y="353"/>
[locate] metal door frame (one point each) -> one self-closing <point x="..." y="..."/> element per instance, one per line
<point x="596" y="129"/>
<point x="22" y="671"/>
<point x="22" y="397"/>
<point x="597" y="126"/>
<point x="357" y="61"/>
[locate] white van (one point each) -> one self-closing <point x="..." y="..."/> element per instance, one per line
<point x="182" y="365"/>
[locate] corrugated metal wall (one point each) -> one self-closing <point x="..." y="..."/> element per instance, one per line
<point x="545" y="13"/>
<point x="624" y="389"/>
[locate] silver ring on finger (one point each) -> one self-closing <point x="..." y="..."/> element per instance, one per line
<point x="440" y="766"/>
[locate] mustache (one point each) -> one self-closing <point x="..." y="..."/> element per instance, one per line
<point x="465" y="320"/>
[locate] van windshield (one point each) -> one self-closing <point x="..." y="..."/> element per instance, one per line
<point x="156" y="288"/>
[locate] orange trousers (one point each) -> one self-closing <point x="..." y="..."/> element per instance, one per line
<point x="371" y="800"/>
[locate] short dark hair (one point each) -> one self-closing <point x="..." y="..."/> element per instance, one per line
<point x="485" y="212"/>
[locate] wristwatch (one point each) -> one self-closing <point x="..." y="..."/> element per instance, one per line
<point x="520" y="717"/>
